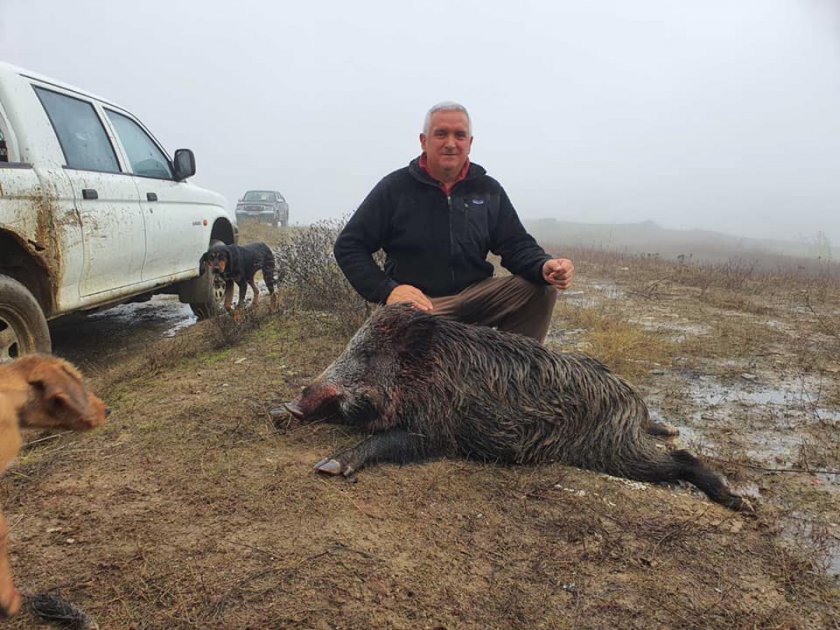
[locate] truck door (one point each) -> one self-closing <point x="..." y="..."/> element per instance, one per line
<point x="106" y="198"/>
<point x="176" y="217"/>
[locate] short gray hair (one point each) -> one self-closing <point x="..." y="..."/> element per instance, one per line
<point x="446" y="106"/>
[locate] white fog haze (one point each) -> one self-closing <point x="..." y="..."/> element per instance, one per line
<point x="713" y="115"/>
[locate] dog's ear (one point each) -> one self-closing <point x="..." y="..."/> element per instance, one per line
<point x="233" y="257"/>
<point x="202" y="263"/>
<point x="59" y="399"/>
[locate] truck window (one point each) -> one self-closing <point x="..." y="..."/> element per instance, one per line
<point x="80" y="132"/>
<point x="146" y="159"/>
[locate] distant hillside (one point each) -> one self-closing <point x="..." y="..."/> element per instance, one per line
<point x="649" y="238"/>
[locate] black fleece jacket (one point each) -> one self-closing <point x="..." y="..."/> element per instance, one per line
<point x="436" y="243"/>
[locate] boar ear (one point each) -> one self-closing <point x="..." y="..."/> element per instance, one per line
<point x="413" y="339"/>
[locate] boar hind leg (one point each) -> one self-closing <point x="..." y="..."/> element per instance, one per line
<point x="397" y="446"/>
<point x="694" y="471"/>
<point x="660" y="429"/>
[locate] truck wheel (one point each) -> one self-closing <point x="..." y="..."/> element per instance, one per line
<point x="216" y="304"/>
<point x="23" y="327"/>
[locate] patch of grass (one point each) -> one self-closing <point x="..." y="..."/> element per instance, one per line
<point x="627" y="349"/>
<point x="726" y="299"/>
<point x="256" y="232"/>
<point x="228" y="330"/>
<point x="165" y="352"/>
<point x="730" y="337"/>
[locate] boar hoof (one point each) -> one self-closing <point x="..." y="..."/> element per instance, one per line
<point x="740" y="504"/>
<point x="662" y="429"/>
<point x="333" y="467"/>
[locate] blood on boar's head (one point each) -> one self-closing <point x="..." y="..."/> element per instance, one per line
<point x="360" y="385"/>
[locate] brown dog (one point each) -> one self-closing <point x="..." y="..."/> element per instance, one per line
<point x="38" y="391"/>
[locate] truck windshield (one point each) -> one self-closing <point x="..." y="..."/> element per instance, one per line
<point x="256" y="195"/>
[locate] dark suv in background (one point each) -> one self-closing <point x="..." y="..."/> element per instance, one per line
<point x="263" y="205"/>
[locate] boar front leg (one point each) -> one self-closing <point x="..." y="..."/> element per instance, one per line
<point x="397" y="446"/>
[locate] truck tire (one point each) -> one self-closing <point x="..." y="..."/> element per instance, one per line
<point x="216" y="304"/>
<point x="23" y="327"/>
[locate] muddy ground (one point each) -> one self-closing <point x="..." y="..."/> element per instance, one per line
<point x="193" y="508"/>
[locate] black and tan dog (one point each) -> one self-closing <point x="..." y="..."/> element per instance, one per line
<point x="239" y="263"/>
<point x="38" y="391"/>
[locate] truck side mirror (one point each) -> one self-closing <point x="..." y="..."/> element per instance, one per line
<point x="184" y="163"/>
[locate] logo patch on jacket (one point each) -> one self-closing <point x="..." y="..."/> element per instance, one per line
<point x="477" y="202"/>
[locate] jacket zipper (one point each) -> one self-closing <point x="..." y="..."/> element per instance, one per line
<point x="451" y="239"/>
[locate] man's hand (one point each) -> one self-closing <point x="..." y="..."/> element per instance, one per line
<point x="558" y="272"/>
<point x="407" y="294"/>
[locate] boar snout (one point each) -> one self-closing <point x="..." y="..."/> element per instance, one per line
<point x="294" y="409"/>
<point x="318" y="400"/>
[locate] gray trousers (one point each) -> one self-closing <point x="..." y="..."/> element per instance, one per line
<point x="510" y="303"/>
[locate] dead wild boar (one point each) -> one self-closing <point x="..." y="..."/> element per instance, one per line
<point x="423" y="387"/>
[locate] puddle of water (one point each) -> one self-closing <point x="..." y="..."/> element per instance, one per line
<point x="164" y="312"/>
<point x="608" y="290"/>
<point x="580" y="299"/>
<point x="101" y="336"/>
<point x="769" y="448"/>
<point x="792" y="399"/>
<point x="771" y="434"/>
<point x="159" y="308"/>
<point x="593" y="295"/>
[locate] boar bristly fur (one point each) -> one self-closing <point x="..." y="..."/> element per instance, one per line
<point x="424" y="386"/>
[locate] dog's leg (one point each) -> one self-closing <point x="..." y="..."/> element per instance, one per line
<point x="269" y="277"/>
<point x="256" y="291"/>
<point x="9" y="597"/>
<point x="10" y="443"/>
<point x="229" y="296"/>
<point x="243" y="290"/>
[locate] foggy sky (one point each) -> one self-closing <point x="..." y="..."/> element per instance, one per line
<point x="715" y="115"/>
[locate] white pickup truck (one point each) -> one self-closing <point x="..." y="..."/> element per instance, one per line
<point x="93" y="212"/>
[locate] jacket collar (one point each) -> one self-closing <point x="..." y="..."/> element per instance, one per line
<point x="471" y="171"/>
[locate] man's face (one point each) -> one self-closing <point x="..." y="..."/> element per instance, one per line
<point x="448" y="144"/>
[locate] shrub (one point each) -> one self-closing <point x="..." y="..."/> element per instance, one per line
<point x="313" y="279"/>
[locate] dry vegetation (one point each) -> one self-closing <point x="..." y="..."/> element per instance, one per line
<point x="194" y="508"/>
